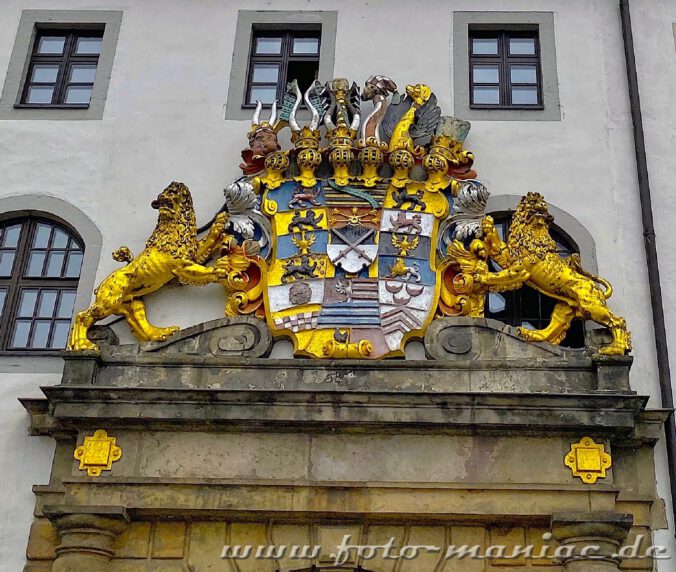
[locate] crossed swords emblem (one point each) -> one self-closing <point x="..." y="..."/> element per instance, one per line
<point x="354" y="246"/>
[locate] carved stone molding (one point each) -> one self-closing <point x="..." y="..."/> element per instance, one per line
<point x="87" y="536"/>
<point x="593" y="539"/>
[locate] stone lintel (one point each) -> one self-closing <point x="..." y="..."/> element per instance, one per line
<point x="85" y="406"/>
<point x="312" y="501"/>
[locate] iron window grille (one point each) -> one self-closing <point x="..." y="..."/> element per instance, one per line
<point x="505" y="70"/>
<point x="527" y="307"/>
<point x="40" y="262"/>
<point x="277" y="57"/>
<point x="62" y="69"/>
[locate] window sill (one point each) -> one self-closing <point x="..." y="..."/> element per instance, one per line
<point x="509" y="107"/>
<point x="48" y="106"/>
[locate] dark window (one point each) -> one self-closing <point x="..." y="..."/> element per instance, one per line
<point x="527" y="307"/>
<point x="279" y="57"/>
<point x="62" y="68"/>
<point x="40" y="264"/>
<point x="504" y="70"/>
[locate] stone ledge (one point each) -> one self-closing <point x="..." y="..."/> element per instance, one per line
<point x="316" y="501"/>
<point x="468" y="354"/>
<point x="198" y="409"/>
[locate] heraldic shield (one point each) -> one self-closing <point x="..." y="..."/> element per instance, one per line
<point x="352" y="241"/>
<point x="352" y="267"/>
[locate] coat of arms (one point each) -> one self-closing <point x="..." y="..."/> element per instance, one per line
<point x="353" y="240"/>
<point x="353" y="271"/>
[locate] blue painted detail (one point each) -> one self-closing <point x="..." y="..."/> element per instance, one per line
<point x="284" y="194"/>
<point x="427" y="277"/>
<point x="387" y="248"/>
<point x="339" y="319"/>
<point x="342" y="321"/>
<point x="287" y="249"/>
<point x="355" y="313"/>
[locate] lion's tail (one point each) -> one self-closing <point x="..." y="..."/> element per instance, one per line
<point x="574" y="262"/>
<point x="123" y="254"/>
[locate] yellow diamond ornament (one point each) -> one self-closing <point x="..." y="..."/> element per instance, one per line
<point x="98" y="453"/>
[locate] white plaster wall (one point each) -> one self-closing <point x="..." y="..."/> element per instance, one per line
<point x="654" y="25"/>
<point x="163" y="121"/>
<point x="24" y="461"/>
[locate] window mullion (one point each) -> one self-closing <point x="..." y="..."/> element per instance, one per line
<point x="504" y="70"/>
<point x="63" y="71"/>
<point x="12" y="300"/>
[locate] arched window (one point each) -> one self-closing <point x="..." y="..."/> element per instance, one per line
<point x="527" y="307"/>
<point x="40" y="263"/>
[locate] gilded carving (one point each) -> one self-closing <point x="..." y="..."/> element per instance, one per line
<point x="580" y="294"/>
<point x="355" y="239"/>
<point x="98" y="453"/>
<point x="172" y="252"/>
<point x="588" y="460"/>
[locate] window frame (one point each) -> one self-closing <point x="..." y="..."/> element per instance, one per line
<point x="505" y="60"/>
<point x="32" y="22"/>
<point x="519" y="21"/>
<point x="65" y="61"/>
<point x="271" y="20"/>
<point x="17" y="282"/>
<point x="283" y="59"/>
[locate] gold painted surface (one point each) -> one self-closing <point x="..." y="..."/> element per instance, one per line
<point x="588" y="460"/>
<point x="172" y="252"/>
<point x="98" y="453"/>
<point x="531" y="249"/>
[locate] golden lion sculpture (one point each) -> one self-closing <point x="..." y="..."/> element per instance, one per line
<point x="530" y="248"/>
<point x="172" y="251"/>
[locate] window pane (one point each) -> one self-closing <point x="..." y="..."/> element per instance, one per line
<point x="88" y="46"/>
<point x="305" y="45"/>
<point x="525" y="95"/>
<point x="485" y="46"/>
<point x="265" y="73"/>
<point x="41" y="239"/>
<point x="27" y="304"/>
<point x="40" y="94"/>
<point x="44" y="73"/>
<point x="522" y="46"/>
<point x="524" y="74"/>
<point x="60" y="337"/>
<point x="59" y="239"/>
<point x="55" y="264"/>
<point x="66" y="304"/>
<point x="496" y="303"/>
<point x="35" y="263"/>
<point x="47" y="303"/>
<point x="268" y="45"/>
<point x="6" y="263"/>
<point x="82" y="74"/>
<point x="73" y="265"/>
<point x="265" y="94"/>
<point x="76" y="94"/>
<point x="41" y="333"/>
<point x="487" y="95"/>
<point x="51" y="45"/>
<point x="21" y="331"/>
<point x="485" y="74"/>
<point x="11" y="236"/>
<point x="3" y="295"/>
